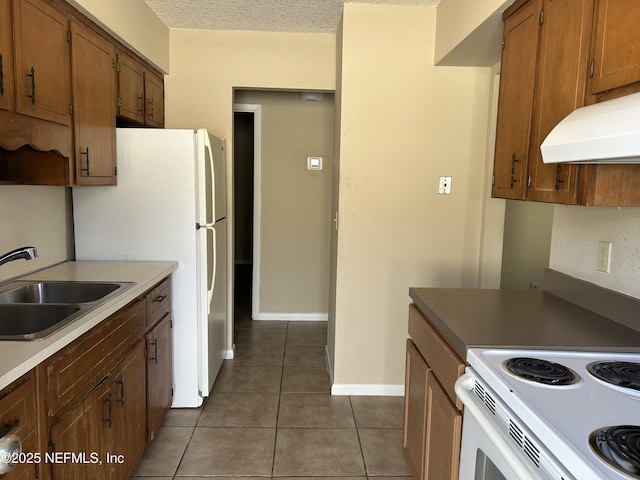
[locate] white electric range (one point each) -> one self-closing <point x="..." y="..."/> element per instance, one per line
<point x="516" y="428"/>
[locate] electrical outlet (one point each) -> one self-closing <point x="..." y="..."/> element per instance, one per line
<point x="604" y="257"/>
<point x="444" y="187"/>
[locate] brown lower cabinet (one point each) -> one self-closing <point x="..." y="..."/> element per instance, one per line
<point x="88" y="411"/>
<point x="432" y="413"/>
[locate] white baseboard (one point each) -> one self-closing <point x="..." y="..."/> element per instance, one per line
<point x="229" y="354"/>
<point x="367" y="390"/>
<point x="294" y="317"/>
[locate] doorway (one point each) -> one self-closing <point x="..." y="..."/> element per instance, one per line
<point x="282" y="235"/>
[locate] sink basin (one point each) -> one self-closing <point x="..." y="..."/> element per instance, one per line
<point x="29" y="321"/>
<point x="35" y="309"/>
<point x="57" y="292"/>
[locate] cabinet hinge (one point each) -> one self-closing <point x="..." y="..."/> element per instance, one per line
<point x="51" y="447"/>
<point x="118" y="67"/>
<point x="592" y="67"/>
<point x="529" y="180"/>
<point x="119" y="101"/>
<point x="541" y="17"/>
<point x="71" y="108"/>
<point x="115" y="171"/>
<point x="493" y="179"/>
<point x="36" y="467"/>
<point x="68" y="36"/>
<point x="503" y="43"/>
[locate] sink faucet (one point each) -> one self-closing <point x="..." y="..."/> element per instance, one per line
<point x="26" y="253"/>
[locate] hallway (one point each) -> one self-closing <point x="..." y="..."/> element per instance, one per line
<point x="270" y="414"/>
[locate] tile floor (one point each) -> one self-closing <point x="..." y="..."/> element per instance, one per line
<point x="270" y="414"/>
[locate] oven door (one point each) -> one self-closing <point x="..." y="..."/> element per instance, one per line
<point x="486" y="453"/>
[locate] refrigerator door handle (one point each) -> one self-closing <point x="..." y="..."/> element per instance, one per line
<point x="209" y="226"/>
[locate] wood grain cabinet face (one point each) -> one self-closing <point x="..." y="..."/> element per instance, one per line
<point x="432" y="413"/>
<point x="159" y="374"/>
<point x="541" y="83"/>
<point x="7" y="91"/>
<point x="94" y="90"/>
<point x="18" y="410"/>
<point x="616" y="61"/>
<point x="154" y="100"/>
<point x="130" y="88"/>
<point x="43" y="85"/>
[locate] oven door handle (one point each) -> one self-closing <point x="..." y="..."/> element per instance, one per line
<point x="463" y="387"/>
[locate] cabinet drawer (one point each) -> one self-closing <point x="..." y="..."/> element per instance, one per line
<point x="158" y="302"/>
<point x="444" y="362"/>
<point x="18" y="404"/>
<point x="76" y="369"/>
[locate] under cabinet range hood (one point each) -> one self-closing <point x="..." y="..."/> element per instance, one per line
<point x="607" y="132"/>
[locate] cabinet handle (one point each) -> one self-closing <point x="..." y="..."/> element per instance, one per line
<point x="121" y="382"/>
<point x="32" y="74"/>
<point x="154" y="344"/>
<point x="8" y="427"/>
<point x="160" y="299"/>
<point x="141" y="103"/>
<point x="514" y="160"/>
<point x="109" y="419"/>
<point x="86" y="155"/>
<point x="1" y="77"/>
<point x="559" y="180"/>
<point x="151" y="109"/>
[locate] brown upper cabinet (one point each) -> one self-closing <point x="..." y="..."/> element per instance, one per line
<point x="59" y="95"/>
<point x="545" y="68"/>
<point x="43" y="82"/>
<point x="94" y="87"/>
<point x="7" y="93"/>
<point x="540" y="84"/>
<point x="616" y="58"/>
<point x="140" y="93"/>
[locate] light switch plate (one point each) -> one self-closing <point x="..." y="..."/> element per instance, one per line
<point x="604" y="257"/>
<point x="444" y="187"/>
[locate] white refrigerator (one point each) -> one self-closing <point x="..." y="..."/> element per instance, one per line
<point x="169" y="204"/>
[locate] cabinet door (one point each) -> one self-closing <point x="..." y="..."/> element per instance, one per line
<point x="415" y="411"/>
<point x="159" y="374"/>
<point x="7" y="93"/>
<point x="130" y="88"/>
<point x="129" y="411"/>
<point x="154" y="98"/>
<point x="43" y="86"/>
<point x="87" y="430"/>
<point x="444" y="428"/>
<point x="93" y="62"/>
<point x="515" y="101"/>
<point x="617" y="45"/>
<point x="560" y="88"/>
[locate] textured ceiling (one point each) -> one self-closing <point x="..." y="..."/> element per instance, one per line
<point x="313" y="16"/>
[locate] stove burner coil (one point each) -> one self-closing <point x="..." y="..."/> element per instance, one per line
<point x="541" y="371"/>
<point x="618" y="446"/>
<point x="620" y="374"/>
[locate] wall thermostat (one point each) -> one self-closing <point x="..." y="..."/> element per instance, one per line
<point x="314" y="163"/>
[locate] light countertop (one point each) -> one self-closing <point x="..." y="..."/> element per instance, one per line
<point x="18" y="357"/>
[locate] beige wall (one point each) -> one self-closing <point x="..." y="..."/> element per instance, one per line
<point x="295" y="205"/>
<point x="403" y="124"/>
<point x="134" y="23"/>
<point x="574" y="245"/>
<point x="34" y="216"/>
<point x="527" y="240"/>
<point x="206" y="67"/>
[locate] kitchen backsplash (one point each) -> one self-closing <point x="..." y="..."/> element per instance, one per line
<point x="34" y="216"/>
<point x="576" y="233"/>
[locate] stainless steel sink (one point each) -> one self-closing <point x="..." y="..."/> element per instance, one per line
<point x="30" y="321"/>
<point x="35" y="309"/>
<point x="56" y="292"/>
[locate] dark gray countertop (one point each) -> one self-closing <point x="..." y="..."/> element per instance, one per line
<point x="519" y="319"/>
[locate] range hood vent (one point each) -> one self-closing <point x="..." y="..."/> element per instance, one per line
<point x="607" y="132"/>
